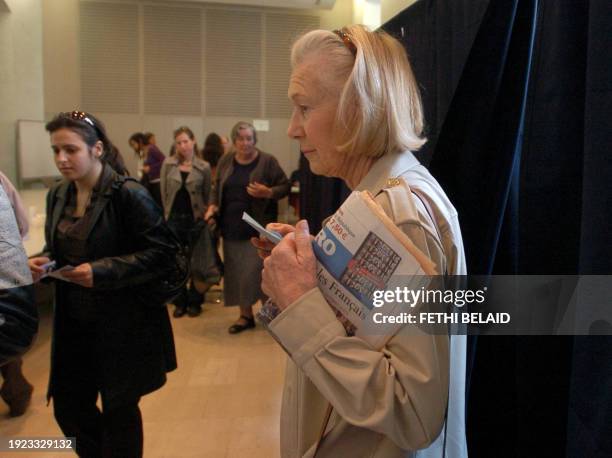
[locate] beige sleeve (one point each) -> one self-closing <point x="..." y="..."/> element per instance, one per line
<point x="399" y="391"/>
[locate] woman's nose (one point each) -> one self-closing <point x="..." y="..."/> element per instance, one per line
<point x="295" y="129"/>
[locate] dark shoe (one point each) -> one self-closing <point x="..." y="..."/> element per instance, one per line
<point x="239" y="327"/>
<point x="18" y="399"/>
<point x="179" y="311"/>
<point x="194" y="310"/>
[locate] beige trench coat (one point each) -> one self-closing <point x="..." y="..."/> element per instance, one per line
<point x="389" y="402"/>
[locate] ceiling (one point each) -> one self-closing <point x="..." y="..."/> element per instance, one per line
<point x="303" y="4"/>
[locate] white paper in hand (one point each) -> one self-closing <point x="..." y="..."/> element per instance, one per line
<point x="58" y="273"/>
<point x="272" y="236"/>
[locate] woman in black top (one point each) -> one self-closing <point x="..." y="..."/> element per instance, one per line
<point x="247" y="180"/>
<point x="108" y="340"/>
<point x="185" y="189"/>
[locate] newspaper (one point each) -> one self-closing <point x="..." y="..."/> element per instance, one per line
<point x="360" y="250"/>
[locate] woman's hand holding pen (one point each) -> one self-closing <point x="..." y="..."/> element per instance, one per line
<point x="290" y="269"/>
<point x="263" y="245"/>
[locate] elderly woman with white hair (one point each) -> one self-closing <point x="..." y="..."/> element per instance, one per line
<point x="252" y="181"/>
<point x="359" y="120"/>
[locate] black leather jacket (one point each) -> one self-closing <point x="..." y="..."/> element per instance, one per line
<point x="128" y="244"/>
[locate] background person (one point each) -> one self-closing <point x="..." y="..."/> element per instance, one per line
<point x="151" y="167"/>
<point x="150" y="160"/>
<point x="150" y="137"/>
<point x="247" y="180"/>
<point x="359" y="121"/>
<point x="185" y="190"/>
<point x="107" y="340"/>
<point x="212" y="151"/>
<point x="18" y="310"/>
<point x="137" y="143"/>
<point x="227" y="145"/>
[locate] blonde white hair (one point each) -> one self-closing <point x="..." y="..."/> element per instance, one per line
<point x="379" y="109"/>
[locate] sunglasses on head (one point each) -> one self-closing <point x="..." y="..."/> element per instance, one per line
<point x="80" y="116"/>
<point x="84" y="117"/>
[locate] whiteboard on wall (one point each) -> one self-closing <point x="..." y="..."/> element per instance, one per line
<point x="34" y="154"/>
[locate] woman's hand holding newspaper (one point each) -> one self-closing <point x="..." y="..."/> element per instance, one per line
<point x="290" y="270"/>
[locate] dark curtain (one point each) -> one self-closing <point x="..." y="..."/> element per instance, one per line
<point x="478" y="161"/>
<point x="523" y="161"/>
<point x="438" y="36"/>
<point x="590" y="404"/>
<point x="320" y="196"/>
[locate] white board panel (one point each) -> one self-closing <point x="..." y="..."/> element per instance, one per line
<point x="35" y="157"/>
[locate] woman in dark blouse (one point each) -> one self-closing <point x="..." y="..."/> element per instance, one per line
<point x="185" y="189"/>
<point x="108" y="234"/>
<point x="247" y="180"/>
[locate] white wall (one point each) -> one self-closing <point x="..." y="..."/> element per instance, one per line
<point x="367" y="12"/>
<point x="340" y="15"/>
<point x="21" y="75"/>
<point x="60" y="24"/>
<point x="62" y="88"/>
<point x="390" y="8"/>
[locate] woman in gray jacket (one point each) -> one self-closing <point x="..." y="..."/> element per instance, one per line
<point x="185" y="181"/>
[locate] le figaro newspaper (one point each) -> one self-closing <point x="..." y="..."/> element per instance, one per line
<point x="360" y="252"/>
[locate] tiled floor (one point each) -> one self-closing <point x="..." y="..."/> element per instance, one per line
<point x="223" y="401"/>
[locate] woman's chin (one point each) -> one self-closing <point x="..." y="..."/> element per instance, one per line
<point x="315" y="166"/>
<point x="319" y="169"/>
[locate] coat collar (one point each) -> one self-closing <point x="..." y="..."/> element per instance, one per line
<point x="104" y="189"/>
<point x="388" y="166"/>
<point x="196" y="162"/>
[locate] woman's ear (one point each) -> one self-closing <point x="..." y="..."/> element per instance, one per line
<point x="98" y="149"/>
